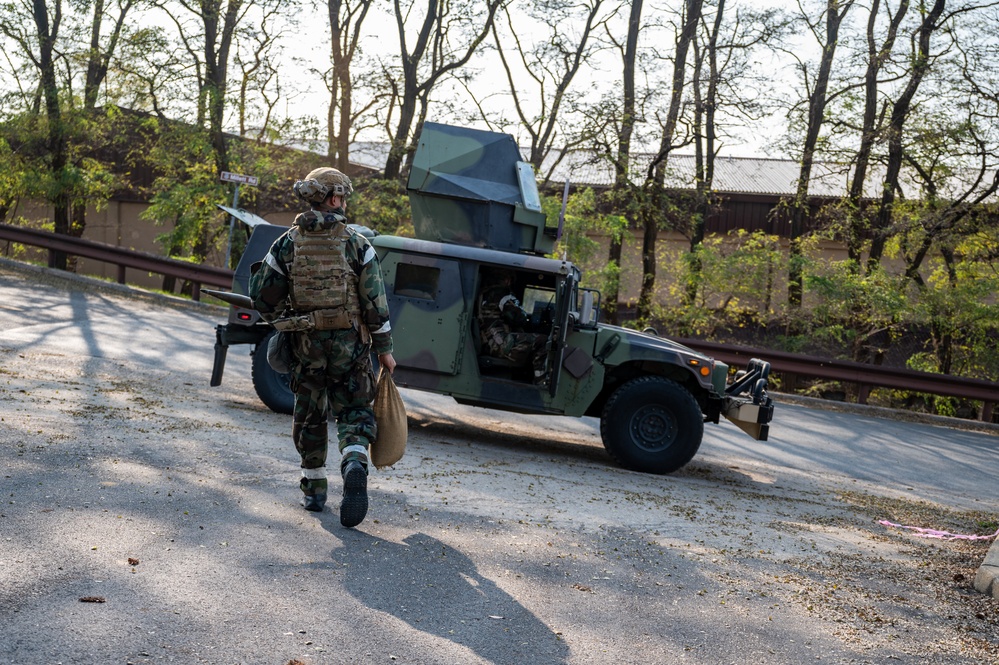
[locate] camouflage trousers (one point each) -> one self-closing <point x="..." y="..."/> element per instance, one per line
<point x="331" y="376"/>
<point x="520" y="347"/>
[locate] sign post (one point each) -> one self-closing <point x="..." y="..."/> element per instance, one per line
<point x="239" y="179"/>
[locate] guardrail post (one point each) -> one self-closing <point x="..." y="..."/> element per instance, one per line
<point x="121" y="274"/>
<point x="987" y="409"/>
<point x="196" y="291"/>
<point x="789" y="381"/>
<point x="863" y="392"/>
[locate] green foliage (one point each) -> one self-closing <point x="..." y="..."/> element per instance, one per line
<point x="585" y="221"/>
<point x="853" y="311"/>
<point x="86" y="179"/>
<point x="581" y="220"/>
<point x="186" y="190"/>
<point x="381" y="205"/>
<point x="958" y="306"/>
<point x="733" y="281"/>
<point x="15" y="183"/>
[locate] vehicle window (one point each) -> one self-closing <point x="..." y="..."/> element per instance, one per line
<point x="413" y="281"/>
<point x="535" y="297"/>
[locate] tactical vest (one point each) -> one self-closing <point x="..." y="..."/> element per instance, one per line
<point x="323" y="284"/>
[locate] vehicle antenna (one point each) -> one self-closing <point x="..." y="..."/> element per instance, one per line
<point x="561" y="218"/>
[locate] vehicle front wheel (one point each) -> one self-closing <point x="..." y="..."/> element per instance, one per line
<point x="652" y="424"/>
<point x="272" y="387"/>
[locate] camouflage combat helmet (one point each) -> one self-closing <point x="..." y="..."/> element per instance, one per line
<point x="322" y="182"/>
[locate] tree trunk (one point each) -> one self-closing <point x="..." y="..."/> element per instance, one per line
<point x="444" y="61"/>
<point x="899" y="114"/>
<point x="622" y="164"/>
<point x="345" y="25"/>
<point x="704" y="130"/>
<point x="216" y="74"/>
<point x="56" y="143"/>
<point x="816" y="112"/>
<point x="868" y="133"/>
<point x="656" y="175"/>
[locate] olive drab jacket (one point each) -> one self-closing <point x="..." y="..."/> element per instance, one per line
<point x="327" y="274"/>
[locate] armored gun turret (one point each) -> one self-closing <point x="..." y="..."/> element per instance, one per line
<point x="470" y="187"/>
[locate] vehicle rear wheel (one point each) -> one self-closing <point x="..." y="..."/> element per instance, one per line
<point x="272" y="387"/>
<point x="652" y="424"/>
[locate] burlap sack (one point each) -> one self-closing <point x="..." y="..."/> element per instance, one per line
<point x="390" y="416"/>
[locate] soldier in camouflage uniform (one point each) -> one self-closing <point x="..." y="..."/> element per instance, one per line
<point x="322" y="280"/>
<point x="502" y="324"/>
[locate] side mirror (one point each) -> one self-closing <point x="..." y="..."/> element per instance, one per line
<point x="587" y="314"/>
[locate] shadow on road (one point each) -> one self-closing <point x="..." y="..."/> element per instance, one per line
<point x="438" y="590"/>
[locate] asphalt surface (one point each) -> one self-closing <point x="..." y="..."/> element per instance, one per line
<point x="148" y="518"/>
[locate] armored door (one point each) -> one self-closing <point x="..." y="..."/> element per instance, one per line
<point x="427" y="306"/>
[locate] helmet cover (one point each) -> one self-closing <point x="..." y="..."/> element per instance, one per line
<point x="322" y="182"/>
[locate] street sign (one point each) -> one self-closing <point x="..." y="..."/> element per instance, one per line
<point x="239" y="179"/>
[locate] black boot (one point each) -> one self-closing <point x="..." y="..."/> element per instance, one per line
<point x="314" y="502"/>
<point x="354" y="505"/>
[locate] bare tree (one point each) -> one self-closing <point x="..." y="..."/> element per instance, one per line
<point x="433" y="56"/>
<point x="877" y="55"/>
<point x="952" y="147"/>
<point x="98" y="59"/>
<point x="103" y="49"/>
<point x="653" y="199"/>
<point x="622" y="156"/>
<point x="149" y="75"/>
<point x="206" y="29"/>
<point x="259" y="84"/>
<point x="47" y="25"/>
<point x="833" y="14"/>
<point x="705" y="100"/>
<point x="921" y="59"/>
<point x="346" y="19"/>
<point x="721" y="74"/>
<point x="549" y="65"/>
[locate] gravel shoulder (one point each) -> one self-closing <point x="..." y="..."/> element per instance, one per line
<point x="149" y="518"/>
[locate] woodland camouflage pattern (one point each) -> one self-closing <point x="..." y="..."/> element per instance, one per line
<point x="332" y="368"/>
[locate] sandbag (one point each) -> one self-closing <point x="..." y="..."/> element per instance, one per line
<point x="279" y="353"/>
<point x="390" y="417"/>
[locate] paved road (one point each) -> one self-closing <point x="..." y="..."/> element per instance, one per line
<point x="497" y="539"/>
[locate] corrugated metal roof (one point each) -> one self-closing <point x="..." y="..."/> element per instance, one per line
<point x="733" y="175"/>
<point x="744" y="175"/>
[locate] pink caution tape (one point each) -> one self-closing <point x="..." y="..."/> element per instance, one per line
<point x="943" y="535"/>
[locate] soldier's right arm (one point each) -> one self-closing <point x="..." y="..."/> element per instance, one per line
<point x="269" y="285"/>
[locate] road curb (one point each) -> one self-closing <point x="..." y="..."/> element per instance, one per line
<point x="985" y="580"/>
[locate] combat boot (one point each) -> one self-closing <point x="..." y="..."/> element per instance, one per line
<point x="354" y="505"/>
<point x="314" y="489"/>
<point x="314" y="502"/>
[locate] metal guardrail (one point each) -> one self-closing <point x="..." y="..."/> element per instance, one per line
<point x="119" y="256"/>
<point x="864" y="376"/>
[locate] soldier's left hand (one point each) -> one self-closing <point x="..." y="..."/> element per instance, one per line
<point x="387" y="361"/>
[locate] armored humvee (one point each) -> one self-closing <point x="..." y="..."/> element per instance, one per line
<point x="476" y="207"/>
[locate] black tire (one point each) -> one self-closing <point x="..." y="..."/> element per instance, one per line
<point x="272" y="387"/>
<point x="652" y="424"/>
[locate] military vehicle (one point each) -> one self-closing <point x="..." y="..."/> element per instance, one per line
<point x="476" y="207"/>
